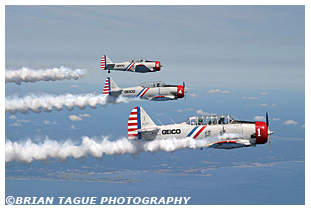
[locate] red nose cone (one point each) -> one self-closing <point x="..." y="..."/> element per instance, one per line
<point x="180" y="91"/>
<point x="261" y="132"/>
<point x="157" y="66"/>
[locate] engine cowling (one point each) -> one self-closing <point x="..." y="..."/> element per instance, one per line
<point x="261" y="132"/>
<point x="180" y="91"/>
<point x="157" y="65"/>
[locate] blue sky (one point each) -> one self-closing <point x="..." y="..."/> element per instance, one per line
<point x="241" y="60"/>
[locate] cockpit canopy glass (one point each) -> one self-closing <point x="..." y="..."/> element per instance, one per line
<point x="138" y="60"/>
<point x="210" y="120"/>
<point x="152" y="84"/>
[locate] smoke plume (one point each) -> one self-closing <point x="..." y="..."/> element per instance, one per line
<point x="30" y="75"/>
<point x="46" y="102"/>
<point x="28" y="151"/>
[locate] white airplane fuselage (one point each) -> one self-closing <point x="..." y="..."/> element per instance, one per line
<point x="135" y="65"/>
<point x="154" y="91"/>
<point x="224" y="132"/>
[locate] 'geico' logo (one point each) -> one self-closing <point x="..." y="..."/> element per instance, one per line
<point x="173" y="131"/>
<point x="129" y="91"/>
<point x="120" y="65"/>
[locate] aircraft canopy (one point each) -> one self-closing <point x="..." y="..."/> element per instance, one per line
<point x="210" y="120"/>
<point x="138" y="60"/>
<point x="152" y="84"/>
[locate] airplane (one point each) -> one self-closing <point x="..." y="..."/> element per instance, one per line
<point x="134" y="65"/>
<point x="223" y="131"/>
<point x="153" y="91"/>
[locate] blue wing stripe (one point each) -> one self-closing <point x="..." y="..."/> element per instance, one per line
<point x="191" y="132"/>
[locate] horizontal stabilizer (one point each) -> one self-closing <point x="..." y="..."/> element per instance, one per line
<point x="149" y="129"/>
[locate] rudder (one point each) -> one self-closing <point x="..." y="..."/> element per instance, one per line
<point x="138" y="120"/>
<point x="106" y="90"/>
<point x="104" y="61"/>
<point x="134" y="124"/>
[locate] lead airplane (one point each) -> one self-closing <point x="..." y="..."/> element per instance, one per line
<point x="134" y="65"/>
<point x="223" y="131"/>
<point x="153" y="91"/>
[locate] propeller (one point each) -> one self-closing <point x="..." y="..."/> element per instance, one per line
<point x="184" y="85"/>
<point x="269" y="132"/>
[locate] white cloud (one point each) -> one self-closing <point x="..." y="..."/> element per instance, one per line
<point x="275" y="119"/>
<point x="218" y="91"/>
<point x="23" y="121"/>
<point x="73" y="127"/>
<point x="74" y="86"/>
<point x="262" y="105"/>
<point x="47" y="122"/>
<point x="290" y="122"/>
<point x="193" y="95"/>
<point x="214" y="91"/>
<point x="12" y="117"/>
<point x="264" y="93"/>
<point x="16" y="124"/>
<point x="250" y="98"/>
<point x="184" y="110"/>
<point x="75" y="118"/>
<point x="201" y="112"/>
<point x="259" y="118"/>
<point x="84" y="115"/>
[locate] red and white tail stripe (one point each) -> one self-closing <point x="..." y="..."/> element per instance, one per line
<point x="103" y="62"/>
<point x="106" y="90"/>
<point x="133" y="125"/>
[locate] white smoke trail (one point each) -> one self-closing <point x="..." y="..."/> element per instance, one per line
<point x="28" y="151"/>
<point x="46" y="102"/>
<point x="30" y="75"/>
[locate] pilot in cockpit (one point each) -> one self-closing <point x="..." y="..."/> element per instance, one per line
<point x="200" y="121"/>
<point x="221" y="120"/>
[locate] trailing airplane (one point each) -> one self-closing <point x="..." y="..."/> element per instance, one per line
<point x="153" y="91"/>
<point x="134" y="65"/>
<point x="233" y="133"/>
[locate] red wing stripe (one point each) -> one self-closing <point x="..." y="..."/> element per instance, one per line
<point x="198" y="133"/>
<point x="133" y="118"/>
<point x="221" y="142"/>
<point x="144" y="92"/>
<point x="132" y="129"/>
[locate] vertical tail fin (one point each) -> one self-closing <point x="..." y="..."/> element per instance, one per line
<point x="138" y="120"/>
<point x="110" y="85"/>
<point x="104" y="61"/>
<point x="134" y="124"/>
<point x="106" y="90"/>
<point x="113" y="85"/>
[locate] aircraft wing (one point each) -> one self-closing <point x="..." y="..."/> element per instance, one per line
<point x="152" y="129"/>
<point x="142" y="68"/>
<point x="230" y="144"/>
<point x="161" y="98"/>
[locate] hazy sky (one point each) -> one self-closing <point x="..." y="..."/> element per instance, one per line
<point x="231" y="46"/>
<point x="241" y="60"/>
